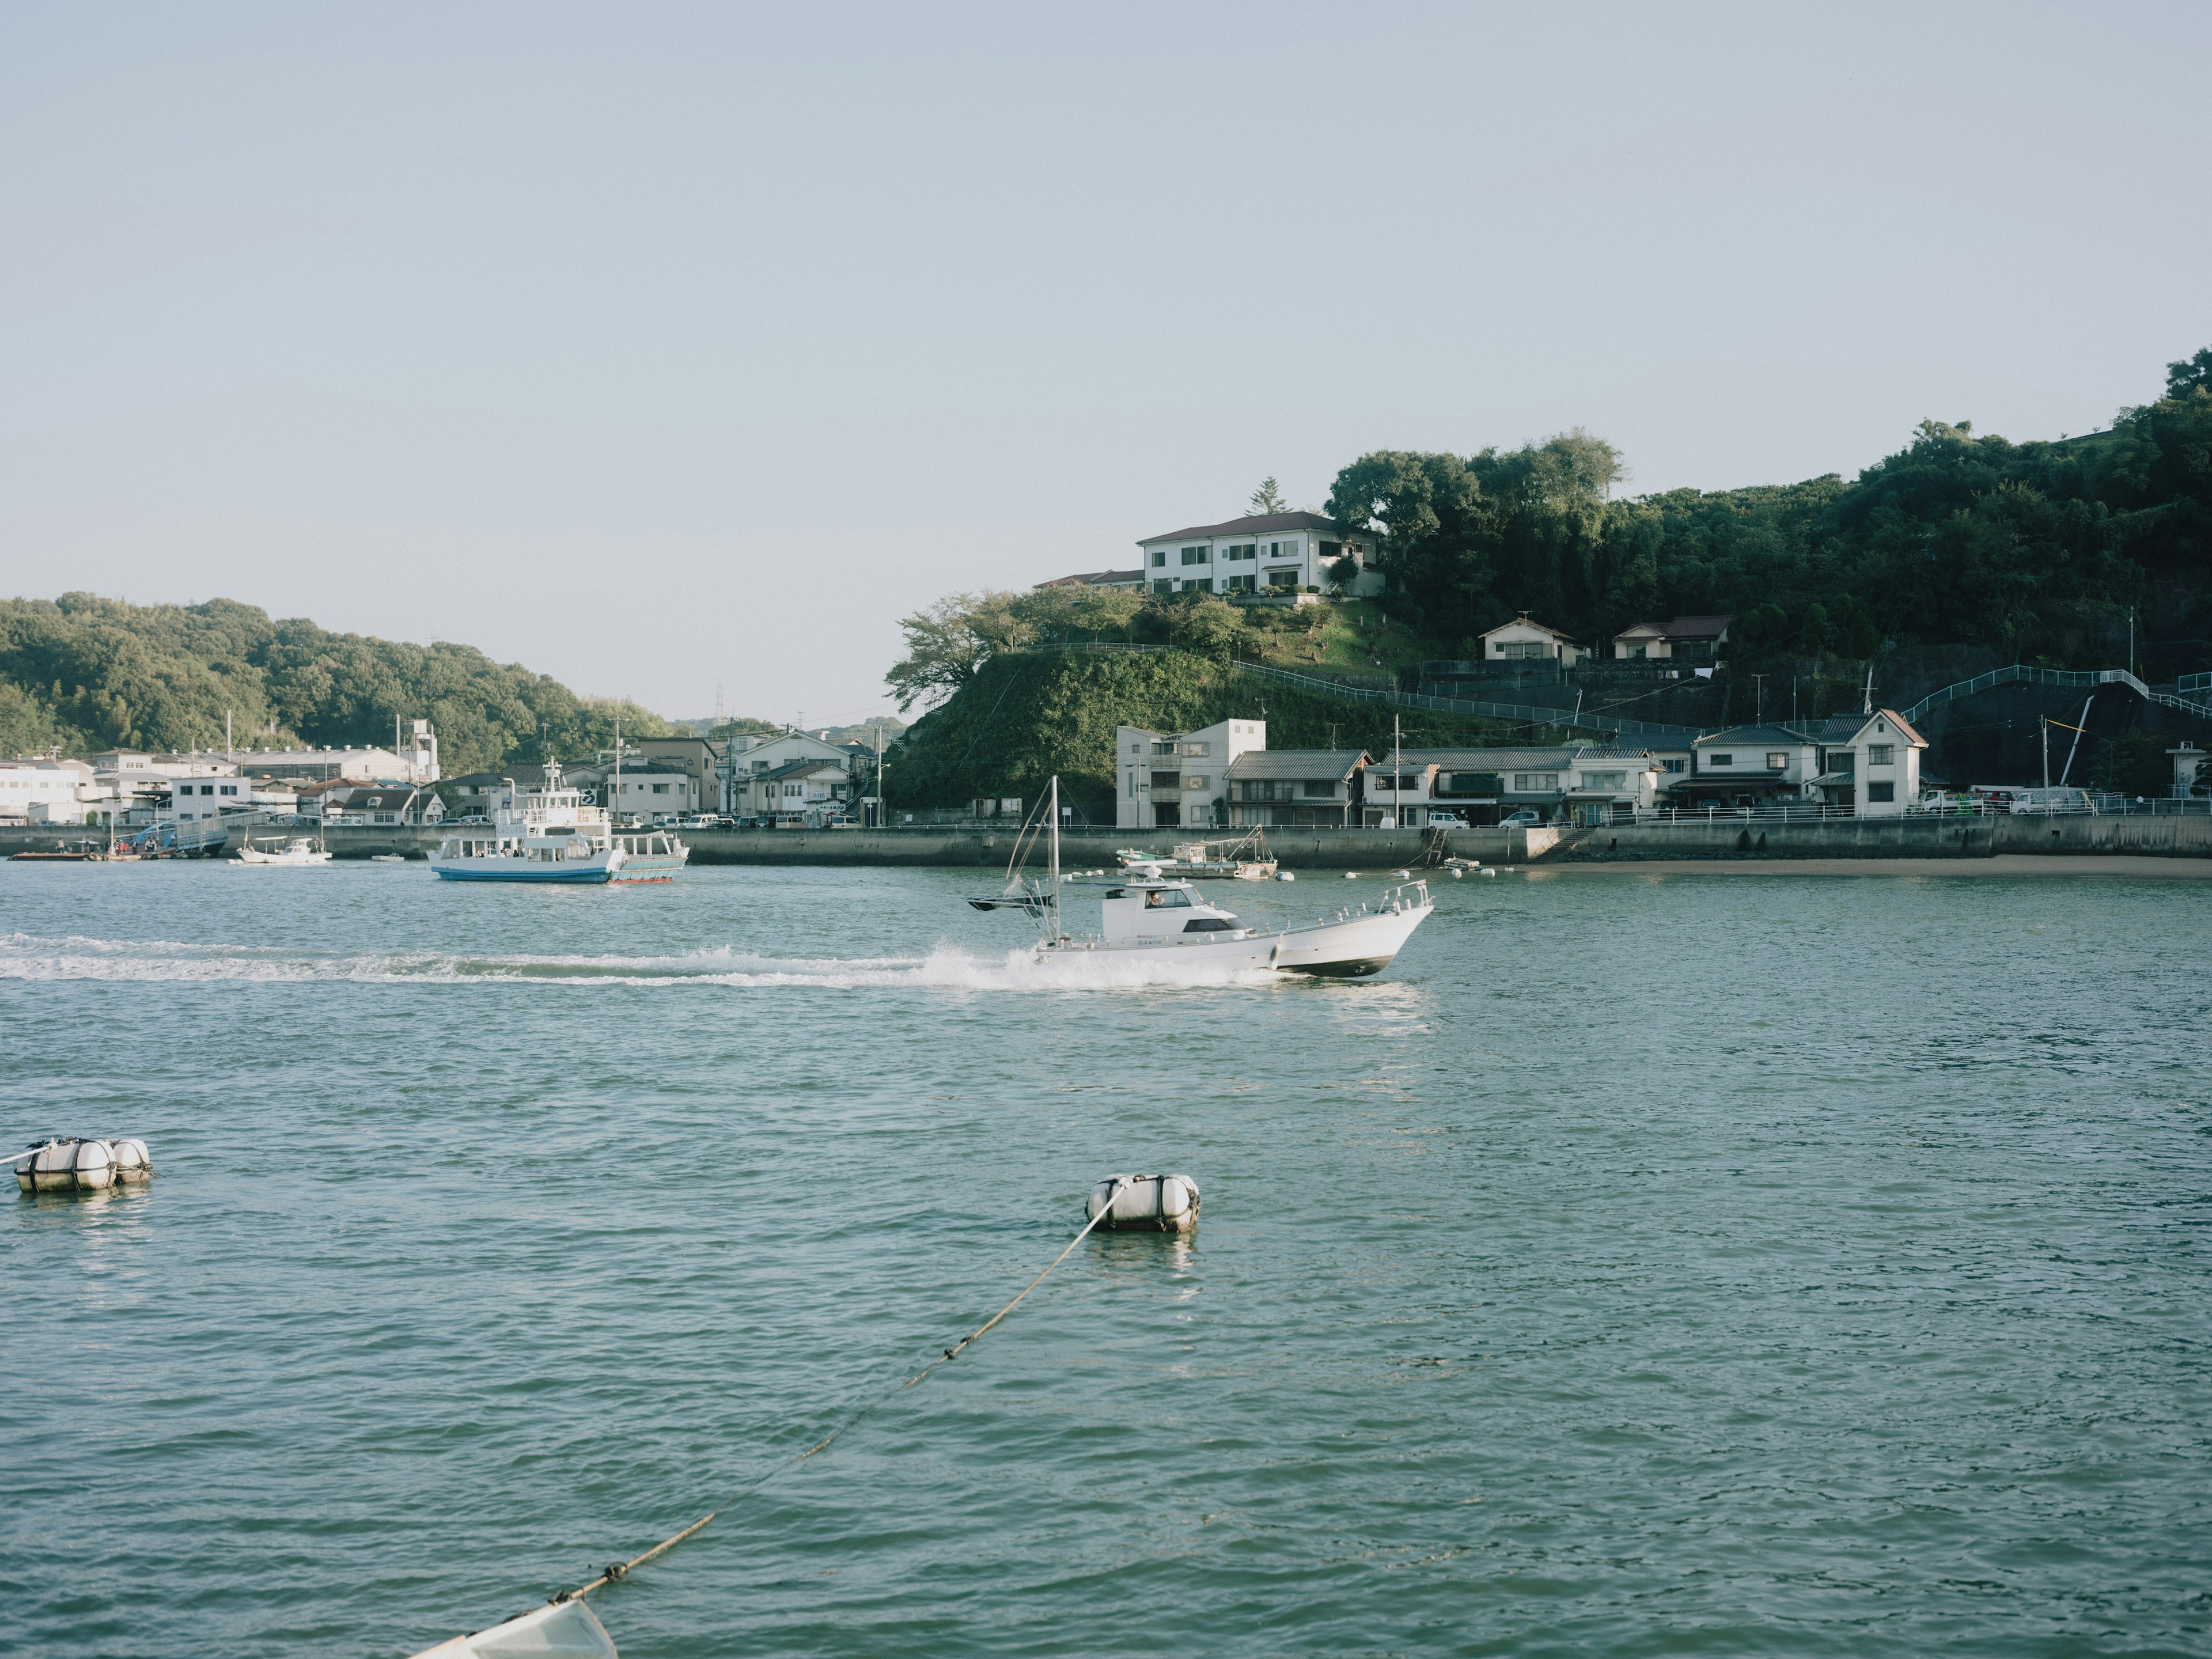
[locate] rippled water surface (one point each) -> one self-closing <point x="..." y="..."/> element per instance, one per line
<point x="1685" y="1264"/>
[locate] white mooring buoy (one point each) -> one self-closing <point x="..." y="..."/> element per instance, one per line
<point x="1352" y="875"/>
<point x="72" y="1164"/>
<point x="1148" y="1204"/>
<point x="1285" y="875"/>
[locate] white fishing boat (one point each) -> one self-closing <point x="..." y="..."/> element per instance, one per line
<point x="300" y="850"/>
<point x="548" y="834"/>
<point x="1245" y="858"/>
<point x="1148" y="917"/>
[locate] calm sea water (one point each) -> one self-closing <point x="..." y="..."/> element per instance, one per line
<point x="1695" y="1264"/>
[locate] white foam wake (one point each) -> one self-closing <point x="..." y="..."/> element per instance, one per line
<point x="25" y="957"/>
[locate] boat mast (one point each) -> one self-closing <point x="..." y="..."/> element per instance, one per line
<point x="1054" y="809"/>
<point x="612" y="825"/>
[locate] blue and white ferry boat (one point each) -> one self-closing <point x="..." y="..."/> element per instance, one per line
<point x="548" y="834"/>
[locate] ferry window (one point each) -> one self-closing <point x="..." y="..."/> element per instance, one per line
<point x="1209" y="925"/>
<point x="1167" y="898"/>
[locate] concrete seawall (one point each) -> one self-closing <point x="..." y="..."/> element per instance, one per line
<point x="958" y="846"/>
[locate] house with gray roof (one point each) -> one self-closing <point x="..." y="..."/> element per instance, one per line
<point x="1581" y="781"/>
<point x="1271" y="786"/>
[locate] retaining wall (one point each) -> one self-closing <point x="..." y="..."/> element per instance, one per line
<point x="1322" y="849"/>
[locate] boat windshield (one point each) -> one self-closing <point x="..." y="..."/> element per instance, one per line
<point x="1167" y="898"/>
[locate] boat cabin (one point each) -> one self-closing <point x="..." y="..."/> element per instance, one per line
<point x="1164" y="912"/>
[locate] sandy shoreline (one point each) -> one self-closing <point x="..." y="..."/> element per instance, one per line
<point x="2004" y="864"/>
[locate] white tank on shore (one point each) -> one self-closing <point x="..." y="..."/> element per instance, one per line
<point x="73" y="1165"/>
<point x="1157" y="1204"/>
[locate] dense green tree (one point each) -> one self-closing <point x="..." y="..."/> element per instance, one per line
<point x="91" y="673"/>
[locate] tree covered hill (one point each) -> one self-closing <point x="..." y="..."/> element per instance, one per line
<point x="1028" y="714"/>
<point x="2036" y="551"/>
<point x="90" y="673"/>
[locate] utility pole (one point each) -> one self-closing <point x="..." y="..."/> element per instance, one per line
<point x="1759" y="690"/>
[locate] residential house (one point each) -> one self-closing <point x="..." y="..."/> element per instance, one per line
<point x="807" y="786"/>
<point x="1690" y="640"/>
<point x="1521" y="640"/>
<point x="1270" y="786"/>
<point x="1271" y="550"/>
<point x="1179" y="779"/>
<point x="1481" y="786"/>
<point x="752" y="756"/>
<point x="1750" y="766"/>
<point x="1869" y="762"/>
<point x="700" y="756"/>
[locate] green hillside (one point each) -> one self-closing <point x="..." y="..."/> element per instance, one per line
<point x="88" y="673"/>
<point x="1026" y="716"/>
<point x="2035" y="551"/>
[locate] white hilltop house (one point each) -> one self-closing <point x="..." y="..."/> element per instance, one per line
<point x="1179" y="780"/>
<point x="1268" y="550"/>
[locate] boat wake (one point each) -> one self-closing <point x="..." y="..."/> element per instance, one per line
<point x="26" y="957"/>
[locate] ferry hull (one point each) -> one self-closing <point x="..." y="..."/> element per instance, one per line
<point x="584" y="874"/>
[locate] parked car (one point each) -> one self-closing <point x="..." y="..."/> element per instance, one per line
<point x="1446" y="821"/>
<point x="1526" y="819"/>
<point x="703" y="821"/>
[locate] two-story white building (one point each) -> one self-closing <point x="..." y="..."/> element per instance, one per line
<point x="1244" y="556"/>
<point x="811" y="788"/>
<point x="1869" y="762"/>
<point x="752" y="756"/>
<point x="1179" y="780"/>
<point x="1750" y="766"/>
<point x="1521" y="640"/>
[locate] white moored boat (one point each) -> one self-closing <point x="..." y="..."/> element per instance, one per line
<point x="1159" y="918"/>
<point x="548" y="834"/>
<point x="300" y="850"/>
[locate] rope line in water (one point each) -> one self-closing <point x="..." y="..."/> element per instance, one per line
<point x="618" y="1570"/>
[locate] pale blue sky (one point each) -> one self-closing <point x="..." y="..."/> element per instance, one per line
<point x="656" y="345"/>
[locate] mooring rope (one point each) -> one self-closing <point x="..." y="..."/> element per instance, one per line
<point x="618" y="1570"/>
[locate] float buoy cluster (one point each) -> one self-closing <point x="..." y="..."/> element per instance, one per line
<point x="72" y="1164"/>
<point x="1146" y="1204"/>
